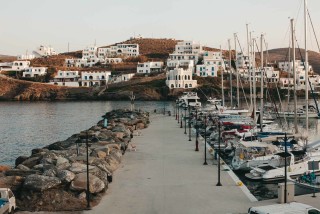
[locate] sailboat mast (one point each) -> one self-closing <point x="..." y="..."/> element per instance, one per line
<point x="306" y="63"/>
<point x="230" y="68"/>
<point x="294" y="76"/>
<point x="254" y="82"/>
<point x="222" y="71"/>
<point x="236" y="70"/>
<point x="262" y="82"/>
<point x="249" y="66"/>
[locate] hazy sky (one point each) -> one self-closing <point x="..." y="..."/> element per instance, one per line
<point x="25" y="24"/>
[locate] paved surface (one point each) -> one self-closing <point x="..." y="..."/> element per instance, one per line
<point x="166" y="175"/>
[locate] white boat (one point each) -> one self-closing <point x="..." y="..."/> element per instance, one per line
<point x="250" y="154"/>
<point x="298" y="162"/>
<point x="189" y="99"/>
<point x="301" y="114"/>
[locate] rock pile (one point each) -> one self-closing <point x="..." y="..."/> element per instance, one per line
<point x="54" y="178"/>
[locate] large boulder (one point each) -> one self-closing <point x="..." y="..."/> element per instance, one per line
<point x="12" y="182"/>
<point x="20" y="160"/>
<point x="40" y="182"/>
<point x="79" y="167"/>
<point x="22" y="173"/>
<point x="4" y="168"/>
<point x="66" y="175"/>
<point x="61" y="160"/>
<point x="31" y="162"/>
<point x="80" y="183"/>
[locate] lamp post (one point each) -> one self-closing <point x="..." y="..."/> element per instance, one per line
<point x="185" y="120"/>
<point x="176" y="110"/>
<point x="189" y="124"/>
<point x="205" y="140"/>
<point x="197" y="132"/>
<point x="219" y="141"/>
<point x="80" y="140"/>
<point x="181" y="119"/>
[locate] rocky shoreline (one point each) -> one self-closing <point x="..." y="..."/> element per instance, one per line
<point x="54" y="178"/>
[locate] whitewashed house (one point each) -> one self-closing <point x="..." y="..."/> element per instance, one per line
<point x="26" y="56"/>
<point x="180" y="78"/>
<point x="20" y="65"/>
<point x="180" y="63"/>
<point x="66" y="78"/>
<point x="125" y="50"/>
<point x="288" y="66"/>
<point x="122" y="78"/>
<point x="271" y="76"/>
<point x="242" y="61"/>
<point x="95" y="78"/>
<point x="178" y="56"/>
<point x="149" y="67"/>
<point x="34" y="71"/>
<point x="112" y="60"/>
<point x="44" y="51"/>
<point x="188" y="47"/>
<point x="206" y="70"/>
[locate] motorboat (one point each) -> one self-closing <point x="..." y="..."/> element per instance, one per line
<point x="189" y="99"/>
<point x="298" y="162"/>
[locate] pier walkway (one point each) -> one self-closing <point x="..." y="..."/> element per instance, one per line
<point x="166" y="175"/>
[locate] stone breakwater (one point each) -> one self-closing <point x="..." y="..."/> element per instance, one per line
<point x="54" y="178"/>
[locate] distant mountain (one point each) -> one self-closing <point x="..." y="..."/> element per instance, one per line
<point x="281" y="54"/>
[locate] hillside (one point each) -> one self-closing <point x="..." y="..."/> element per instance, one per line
<point x="7" y="58"/>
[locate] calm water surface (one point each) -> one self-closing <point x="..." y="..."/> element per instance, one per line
<point x="24" y="126"/>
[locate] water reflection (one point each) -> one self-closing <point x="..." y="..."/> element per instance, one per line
<point x="24" y="126"/>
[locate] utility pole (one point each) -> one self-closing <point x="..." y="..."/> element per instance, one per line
<point x="230" y="68"/>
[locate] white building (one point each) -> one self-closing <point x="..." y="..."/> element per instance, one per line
<point x="25" y="57"/>
<point x="34" y="71"/>
<point x="66" y="78"/>
<point x="149" y="67"/>
<point x="122" y="78"/>
<point x="271" y="75"/>
<point x="20" y="65"/>
<point x="288" y="66"/>
<point x="188" y="47"/>
<point x="112" y="60"/>
<point x="44" y="51"/>
<point x="242" y="61"/>
<point x="206" y="70"/>
<point x="178" y="56"/>
<point x="180" y="63"/>
<point x="180" y="78"/>
<point x="126" y="50"/>
<point x="95" y="78"/>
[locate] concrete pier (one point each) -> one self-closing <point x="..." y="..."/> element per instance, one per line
<point x="166" y="175"/>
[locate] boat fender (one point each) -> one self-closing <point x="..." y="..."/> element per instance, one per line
<point x="289" y="169"/>
<point x="241" y="156"/>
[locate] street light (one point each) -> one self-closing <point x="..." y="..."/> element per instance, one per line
<point x="197" y="131"/>
<point x="185" y="120"/>
<point x="176" y="110"/>
<point x="205" y="140"/>
<point x="181" y="119"/>
<point x="219" y="141"/>
<point x="80" y="140"/>
<point x="189" y="124"/>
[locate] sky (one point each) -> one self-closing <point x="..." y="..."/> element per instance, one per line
<point x="26" y="24"/>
